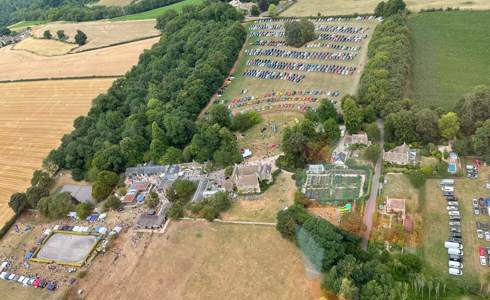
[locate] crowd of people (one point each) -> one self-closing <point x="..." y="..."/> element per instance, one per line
<point x="301" y="54"/>
<point x="266" y="74"/>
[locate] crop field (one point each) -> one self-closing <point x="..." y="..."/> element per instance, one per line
<point x="102" y="33"/>
<point x="436" y="226"/>
<point x="34" y="117"/>
<point x="451" y="55"/>
<point x="24" y="24"/>
<point x="44" y="47"/>
<point x="154" y="13"/>
<point x="200" y="260"/>
<point x="115" y="2"/>
<point x="112" y="61"/>
<point x="307" y="8"/>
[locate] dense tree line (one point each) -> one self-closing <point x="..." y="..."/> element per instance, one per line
<point x="150" y="113"/>
<point x="385" y="75"/>
<point x="299" y="33"/>
<point x="12" y="11"/>
<point x="349" y="271"/>
<point x="389" y="8"/>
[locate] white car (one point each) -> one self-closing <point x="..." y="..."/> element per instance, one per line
<point x="11" y="276"/>
<point x="488" y="185"/>
<point x="455" y="264"/>
<point x="453" y="203"/>
<point x="455" y="271"/>
<point x="453" y="213"/>
<point x="475" y="203"/>
<point x="487" y="236"/>
<point x="21" y="279"/>
<point x="452" y="208"/>
<point x="454" y="223"/>
<point x="2" y="275"/>
<point x="480" y="233"/>
<point x="483" y="260"/>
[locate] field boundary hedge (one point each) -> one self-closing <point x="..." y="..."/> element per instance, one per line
<point x="63" y="78"/>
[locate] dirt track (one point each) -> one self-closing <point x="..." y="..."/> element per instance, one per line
<point x="112" y="61"/>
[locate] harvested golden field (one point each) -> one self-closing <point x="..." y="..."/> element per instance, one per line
<point x="201" y="260"/>
<point x="115" y="2"/>
<point x="33" y="117"/>
<point x="112" y="61"/>
<point x="102" y="33"/>
<point x="44" y="47"/>
<point x="347" y="7"/>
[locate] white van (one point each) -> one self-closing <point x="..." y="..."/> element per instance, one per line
<point x="453" y="245"/>
<point x="454" y="251"/>
<point x="454" y="271"/>
<point x="455" y="264"/>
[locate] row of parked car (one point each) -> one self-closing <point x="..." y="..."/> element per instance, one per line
<point x="481" y="206"/>
<point x="29" y="281"/>
<point x="454" y="244"/>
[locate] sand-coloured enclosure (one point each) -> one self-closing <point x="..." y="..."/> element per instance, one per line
<point x="33" y="117"/>
<point x="102" y="33"/>
<point x="67" y="248"/>
<point x="304" y="8"/>
<point x="44" y="47"/>
<point x="112" y="61"/>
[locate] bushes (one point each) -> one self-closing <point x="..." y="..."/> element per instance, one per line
<point x="103" y="186"/>
<point x="56" y="206"/>
<point x="244" y="121"/>
<point x="84" y="210"/>
<point x="112" y="202"/>
<point x="211" y="208"/>
<point x="299" y="33"/>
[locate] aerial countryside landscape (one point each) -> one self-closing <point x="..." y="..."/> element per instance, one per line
<point x="245" y="149"/>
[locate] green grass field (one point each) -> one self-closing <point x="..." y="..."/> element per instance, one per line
<point x="451" y="55"/>
<point x="154" y="13"/>
<point x="24" y="24"/>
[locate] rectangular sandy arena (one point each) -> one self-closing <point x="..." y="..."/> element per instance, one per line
<point x="67" y="248"/>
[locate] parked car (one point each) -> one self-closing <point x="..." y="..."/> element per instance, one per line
<point x="454" y="213"/>
<point x="455" y="229"/>
<point x="456" y="272"/>
<point x="454" y="218"/>
<point x="454" y="257"/>
<point x="455" y="251"/>
<point x="487" y="236"/>
<point x="455" y="264"/>
<point x="483" y="260"/>
<point x="3" y="275"/>
<point x="479" y="233"/>
<point x="475" y="203"/>
<point x="455" y="235"/>
<point x="452" y="208"/>
<point x="476" y="211"/>
<point x="454" y="223"/>
<point x="451" y="198"/>
<point x="453" y="203"/>
<point x="448" y="193"/>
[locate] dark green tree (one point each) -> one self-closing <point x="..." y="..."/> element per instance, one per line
<point x="219" y="114"/>
<point x="332" y="130"/>
<point x="352" y="115"/>
<point x="299" y="33"/>
<point x="47" y="34"/>
<point x="34" y="194"/>
<point x="84" y="210"/>
<point x="61" y="35"/>
<point x="18" y="202"/>
<point x="80" y="38"/>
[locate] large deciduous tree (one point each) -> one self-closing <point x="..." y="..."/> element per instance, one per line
<point x="449" y="125"/>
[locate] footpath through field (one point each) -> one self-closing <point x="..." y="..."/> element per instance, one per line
<point x="371" y="203"/>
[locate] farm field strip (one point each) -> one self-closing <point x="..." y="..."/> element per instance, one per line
<point x="307" y="8"/>
<point x="102" y="33"/>
<point x="112" y="61"/>
<point x="443" y="45"/>
<point x="34" y="117"/>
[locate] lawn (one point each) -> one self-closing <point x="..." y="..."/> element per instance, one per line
<point x="451" y="55"/>
<point x="24" y="24"/>
<point x="201" y="260"/>
<point x="436" y="227"/>
<point x="264" y="139"/>
<point x="154" y="13"/>
<point x="264" y="207"/>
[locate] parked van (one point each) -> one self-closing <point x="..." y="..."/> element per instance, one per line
<point x="454" y="245"/>
<point x="456" y="272"/>
<point x="455" y="264"/>
<point x="454" y="251"/>
<point x="447" y="182"/>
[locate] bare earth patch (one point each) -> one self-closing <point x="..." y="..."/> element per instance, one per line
<point x="305" y="8"/>
<point x="264" y="208"/>
<point x="112" y="61"/>
<point x="34" y="117"/>
<point x="102" y="33"/>
<point x="44" y="47"/>
<point x="200" y="260"/>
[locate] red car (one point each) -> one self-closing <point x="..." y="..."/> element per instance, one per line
<point x="482" y="251"/>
